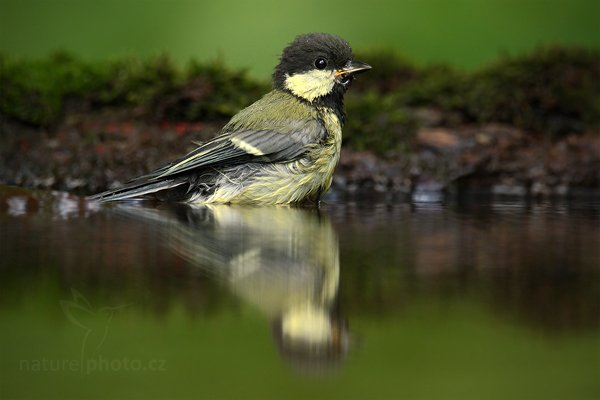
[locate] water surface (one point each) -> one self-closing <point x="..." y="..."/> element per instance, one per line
<point x="473" y="299"/>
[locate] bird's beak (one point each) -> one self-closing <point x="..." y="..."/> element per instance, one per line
<point x="352" y="67"/>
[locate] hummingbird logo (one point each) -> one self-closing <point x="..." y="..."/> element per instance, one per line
<point x="94" y="322"/>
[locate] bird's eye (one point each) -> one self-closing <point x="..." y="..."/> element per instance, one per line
<point x="321" y="63"/>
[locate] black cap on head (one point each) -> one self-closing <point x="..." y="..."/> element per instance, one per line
<point x="303" y="52"/>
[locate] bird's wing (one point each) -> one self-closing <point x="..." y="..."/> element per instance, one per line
<point x="244" y="146"/>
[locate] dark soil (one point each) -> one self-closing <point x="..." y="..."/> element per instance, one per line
<point x="90" y="153"/>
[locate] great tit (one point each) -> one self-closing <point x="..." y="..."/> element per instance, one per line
<point x="282" y="149"/>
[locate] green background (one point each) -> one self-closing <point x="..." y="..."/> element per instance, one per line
<point x="465" y="33"/>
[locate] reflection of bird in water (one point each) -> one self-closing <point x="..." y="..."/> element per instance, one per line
<point x="284" y="261"/>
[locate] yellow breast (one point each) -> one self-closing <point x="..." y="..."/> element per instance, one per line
<point x="326" y="157"/>
<point x="294" y="182"/>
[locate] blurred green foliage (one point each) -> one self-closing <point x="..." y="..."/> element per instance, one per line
<point x="37" y="92"/>
<point x="211" y="91"/>
<point x="378" y="123"/>
<point x="461" y="33"/>
<point x="552" y="91"/>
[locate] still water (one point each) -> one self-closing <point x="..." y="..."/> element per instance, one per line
<point x="468" y="300"/>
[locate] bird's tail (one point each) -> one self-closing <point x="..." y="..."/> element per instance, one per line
<point x="136" y="189"/>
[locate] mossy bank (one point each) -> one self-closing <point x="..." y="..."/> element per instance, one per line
<point x="522" y="125"/>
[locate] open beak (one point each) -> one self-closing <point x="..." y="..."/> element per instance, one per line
<point x="352" y="67"/>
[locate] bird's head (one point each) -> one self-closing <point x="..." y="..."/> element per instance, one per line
<point x="316" y="65"/>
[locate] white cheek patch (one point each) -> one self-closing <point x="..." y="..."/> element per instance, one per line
<point x="312" y="84"/>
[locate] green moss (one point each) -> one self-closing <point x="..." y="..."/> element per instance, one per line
<point x="210" y="91"/>
<point x="135" y="82"/>
<point x="35" y="92"/>
<point x="378" y="123"/>
<point x="551" y="91"/>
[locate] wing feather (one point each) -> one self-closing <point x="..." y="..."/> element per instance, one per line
<point x="243" y="146"/>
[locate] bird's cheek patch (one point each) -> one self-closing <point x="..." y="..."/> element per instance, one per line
<point x="312" y="84"/>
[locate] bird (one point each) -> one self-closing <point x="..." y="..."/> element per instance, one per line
<point x="280" y="150"/>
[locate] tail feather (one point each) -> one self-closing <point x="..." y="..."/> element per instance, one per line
<point x="136" y="189"/>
